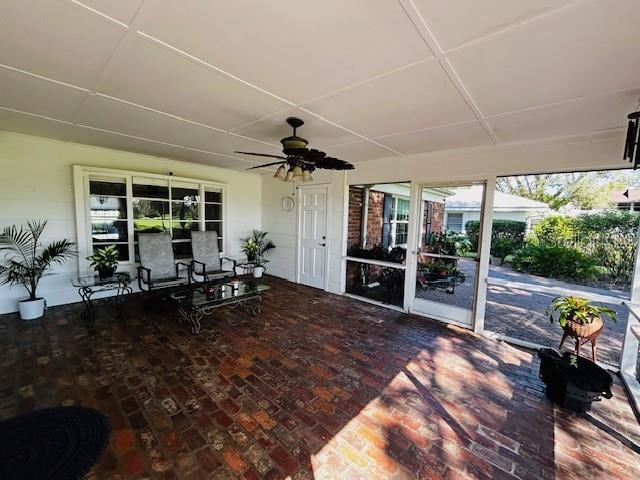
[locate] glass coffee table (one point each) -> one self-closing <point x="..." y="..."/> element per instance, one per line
<point x="194" y="303"/>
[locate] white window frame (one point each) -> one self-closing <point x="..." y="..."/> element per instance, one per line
<point x="81" y="176"/>
<point x="394" y="220"/>
<point x="446" y="221"/>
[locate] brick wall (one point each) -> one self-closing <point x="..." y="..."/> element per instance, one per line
<point x="375" y="218"/>
<point x="355" y="216"/>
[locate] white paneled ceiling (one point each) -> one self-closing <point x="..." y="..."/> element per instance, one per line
<point x="199" y="80"/>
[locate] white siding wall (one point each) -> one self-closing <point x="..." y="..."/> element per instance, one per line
<point x="282" y="226"/>
<point x="36" y="182"/>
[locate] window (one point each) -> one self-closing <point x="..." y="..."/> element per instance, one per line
<point x="454" y="222"/>
<point x="108" y="214"/>
<point x="117" y="206"/>
<point x="399" y="221"/>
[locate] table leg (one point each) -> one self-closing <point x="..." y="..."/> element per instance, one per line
<point x="123" y="289"/>
<point x="89" y="315"/>
<point x="195" y="317"/>
<point x="253" y="305"/>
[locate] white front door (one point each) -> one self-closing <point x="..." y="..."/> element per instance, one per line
<point x="312" y="236"/>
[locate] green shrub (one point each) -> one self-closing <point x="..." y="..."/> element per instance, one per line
<point x="555" y="230"/>
<point x="472" y="228"/>
<point x="507" y="236"/>
<point x="610" y="237"/>
<point x="613" y="220"/>
<point x="555" y="262"/>
<point x="449" y="243"/>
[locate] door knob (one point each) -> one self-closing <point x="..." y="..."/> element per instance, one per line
<point x="322" y="244"/>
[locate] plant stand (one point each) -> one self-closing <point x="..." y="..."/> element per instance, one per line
<point x="581" y="340"/>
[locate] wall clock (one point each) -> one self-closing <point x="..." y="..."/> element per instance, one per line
<point x="287" y="204"/>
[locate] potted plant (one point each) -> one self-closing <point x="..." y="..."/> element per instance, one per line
<point x="26" y="261"/>
<point x="104" y="261"/>
<point x="579" y="318"/>
<point x="256" y="246"/>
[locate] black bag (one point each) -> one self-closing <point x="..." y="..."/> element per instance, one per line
<point x="573" y="382"/>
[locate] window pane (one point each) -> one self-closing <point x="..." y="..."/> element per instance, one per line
<point x="109" y="231"/>
<point x="182" y="230"/>
<point x="182" y="249"/>
<point x="212" y="194"/>
<point x="123" y="250"/>
<point x="111" y="208"/>
<point x="401" y="233"/>
<point x="149" y="188"/>
<point x="454" y="222"/>
<point x="108" y="187"/>
<point x="402" y="213"/>
<point x="150" y="209"/>
<point x="150" y="225"/>
<point x="212" y="212"/>
<point x="213" y="227"/>
<point x="185" y="192"/>
<point x="184" y="210"/>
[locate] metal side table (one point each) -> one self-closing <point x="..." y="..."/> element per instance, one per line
<point x="90" y="284"/>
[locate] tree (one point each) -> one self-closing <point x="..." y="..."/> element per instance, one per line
<point x="583" y="190"/>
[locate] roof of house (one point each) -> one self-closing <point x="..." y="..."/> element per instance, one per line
<point x="632" y="195"/>
<point x="469" y="199"/>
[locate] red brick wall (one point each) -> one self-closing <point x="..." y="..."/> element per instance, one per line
<point x="355" y="216"/>
<point x="375" y="218"/>
<point x="437" y="220"/>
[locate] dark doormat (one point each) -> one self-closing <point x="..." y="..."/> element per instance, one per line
<point x="55" y="443"/>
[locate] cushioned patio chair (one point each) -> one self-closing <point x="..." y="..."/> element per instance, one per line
<point x="158" y="267"/>
<point x="207" y="263"/>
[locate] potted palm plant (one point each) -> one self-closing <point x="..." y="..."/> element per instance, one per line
<point x="256" y="246"/>
<point x="580" y="318"/>
<point x="26" y="261"/>
<point x="104" y="261"/>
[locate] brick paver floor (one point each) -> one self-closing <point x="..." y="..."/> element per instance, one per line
<point x="318" y="387"/>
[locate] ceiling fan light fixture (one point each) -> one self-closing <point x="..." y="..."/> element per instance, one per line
<point x="281" y="173"/>
<point x="306" y="176"/>
<point x="297" y="171"/>
<point x="289" y="176"/>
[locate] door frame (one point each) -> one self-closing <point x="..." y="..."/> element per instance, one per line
<point x="482" y="263"/>
<point x="299" y="190"/>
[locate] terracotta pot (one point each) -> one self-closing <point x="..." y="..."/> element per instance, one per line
<point x="576" y="329"/>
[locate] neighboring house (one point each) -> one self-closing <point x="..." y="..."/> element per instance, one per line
<point x="464" y="206"/>
<point x="628" y="201"/>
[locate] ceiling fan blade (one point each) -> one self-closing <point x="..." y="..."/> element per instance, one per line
<point x="262" y="155"/>
<point x="330" y="163"/>
<point x="265" y="165"/>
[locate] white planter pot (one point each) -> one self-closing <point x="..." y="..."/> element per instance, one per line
<point x="32" y="309"/>
<point x="258" y="272"/>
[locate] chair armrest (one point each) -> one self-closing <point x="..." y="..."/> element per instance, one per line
<point x="229" y="260"/>
<point x="202" y="266"/>
<point x="142" y="273"/>
<point x="188" y="267"/>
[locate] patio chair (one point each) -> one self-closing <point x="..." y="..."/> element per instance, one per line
<point x="158" y="267"/>
<point x="207" y="264"/>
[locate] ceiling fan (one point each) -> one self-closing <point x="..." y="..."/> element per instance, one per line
<point x="299" y="160"/>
